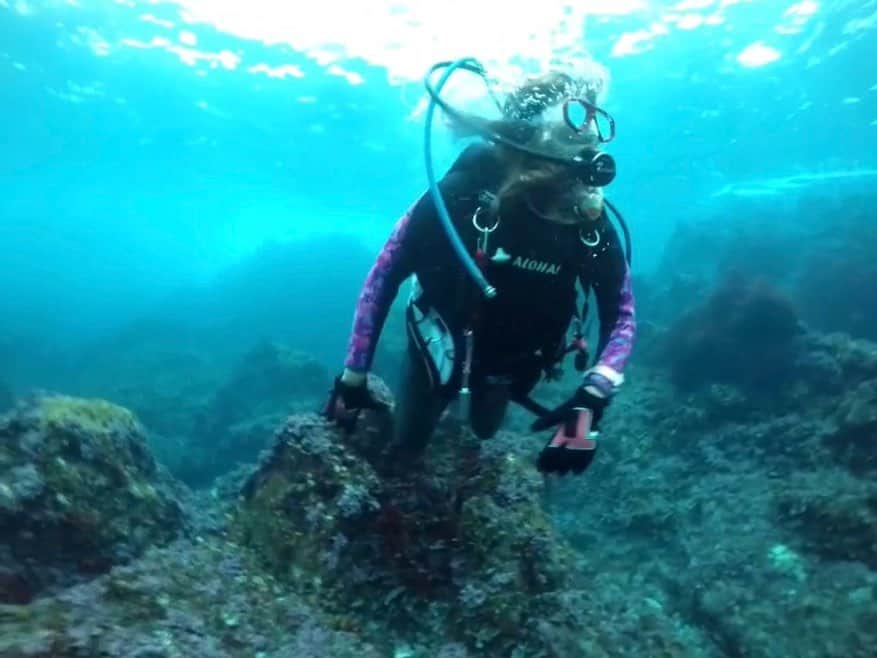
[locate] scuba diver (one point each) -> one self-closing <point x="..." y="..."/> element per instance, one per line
<point x="526" y="209"/>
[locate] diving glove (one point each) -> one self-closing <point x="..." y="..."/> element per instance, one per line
<point x="346" y="401"/>
<point x="572" y="447"/>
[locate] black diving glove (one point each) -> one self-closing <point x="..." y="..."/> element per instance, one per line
<point x="571" y="449"/>
<point x="346" y="401"/>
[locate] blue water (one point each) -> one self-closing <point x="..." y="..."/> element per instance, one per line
<point x="143" y="152"/>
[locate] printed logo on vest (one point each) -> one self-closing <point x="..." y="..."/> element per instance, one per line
<point x="533" y="265"/>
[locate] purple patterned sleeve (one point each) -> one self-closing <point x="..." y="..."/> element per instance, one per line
<point x="620" y="343"/>
<point x="377" y="295"/>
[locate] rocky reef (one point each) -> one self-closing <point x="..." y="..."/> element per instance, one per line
<point x="205" y="414"/>
<point x="328" y="548"/>
<point x="719" y="520"/>
<point x="462" y="551"/>
<point x="188" y="599"/>
<point x="79" y="493"/>
<point x="751" y="515"/>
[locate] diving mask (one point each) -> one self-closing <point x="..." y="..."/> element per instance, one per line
<point x="583" y="116"/>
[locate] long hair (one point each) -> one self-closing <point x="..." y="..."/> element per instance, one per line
<point x="527" y="176"/>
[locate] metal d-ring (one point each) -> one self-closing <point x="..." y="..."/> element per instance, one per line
<point x="478" y="227"/>
<point x="590" y="243"/>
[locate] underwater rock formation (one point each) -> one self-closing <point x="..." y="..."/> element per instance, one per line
<point x="79" y="492"/>
<point x="789" y="607"/>
<point x="202" y="599"/>
<point x="744" y="334"/>
<point x="854" y="441"/>
<point x="461" y="550"/>
<point x="835" y="381"/>
<point x="700" y="530"/>
<point x="833" y="514"/>
<point x="757" y="520"/>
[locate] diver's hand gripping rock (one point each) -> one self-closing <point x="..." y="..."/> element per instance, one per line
<point x="347" y="401"/>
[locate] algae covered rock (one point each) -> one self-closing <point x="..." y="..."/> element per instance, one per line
<point x="842" y="392"/>
<point x="833" y="515"/>
<point x="79" y="492"/>
<point x="855" y="443"/>
<point x="793" y="608"/>
<point x="858" y="411"/>
<point x="189" y="599"/>
<point x="460" y="550"/>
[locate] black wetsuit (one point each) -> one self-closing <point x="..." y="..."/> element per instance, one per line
<point x="535" y="266"/>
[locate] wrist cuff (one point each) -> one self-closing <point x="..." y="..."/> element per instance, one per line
<point x="598" y="385"/>
<point x="353" y="377"/>
<point x="602" y="380"/>
<point x="615" y="378"/>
